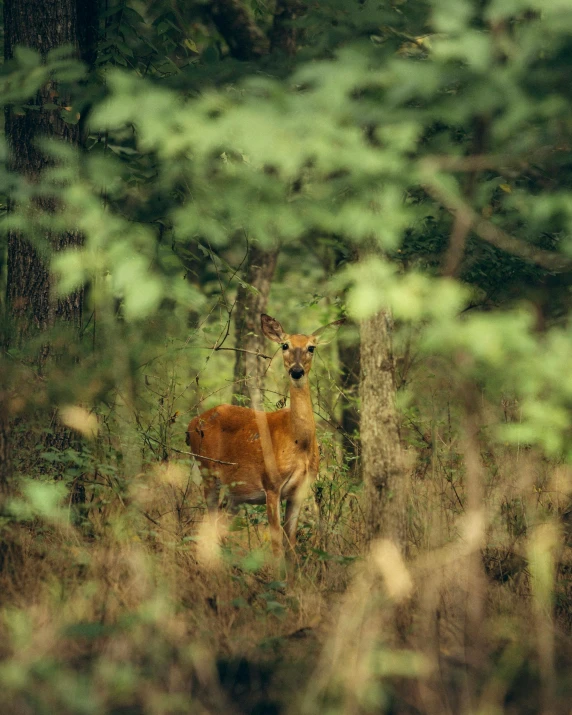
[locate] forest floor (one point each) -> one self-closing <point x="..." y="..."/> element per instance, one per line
<point x="138" y="611"/>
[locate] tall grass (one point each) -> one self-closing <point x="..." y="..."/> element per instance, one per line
<point x="139" y="609"/>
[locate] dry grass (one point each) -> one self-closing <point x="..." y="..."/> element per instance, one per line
<point x="137" y="612"/>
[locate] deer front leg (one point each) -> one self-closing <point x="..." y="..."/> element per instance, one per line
<point x="211" y="487"/>
<point x="293" y="506"/>
<point x="273" y="511"/>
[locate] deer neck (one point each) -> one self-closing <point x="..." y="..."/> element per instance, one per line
<point x="302" y="424"/>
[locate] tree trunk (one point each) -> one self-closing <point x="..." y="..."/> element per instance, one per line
<point x="283" y="35"/>
<point x="382" y="459"/>
<point x="249" y="370"/>
<point x="7" y="543"/>
<point x="349" y="359"/>
<point x="42" y="25"/>
<point x="32" y="309"/>
<point x="5" y="447"/>
<point x="235" y="22"/>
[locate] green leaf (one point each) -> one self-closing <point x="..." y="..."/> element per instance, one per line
<point x="26" y="57"/>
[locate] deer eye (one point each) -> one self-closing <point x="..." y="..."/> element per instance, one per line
<point x="284" y="346"/>
<point x="311" y="348"/>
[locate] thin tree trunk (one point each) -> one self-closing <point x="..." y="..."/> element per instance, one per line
<point x="475" y="644"/>
<point x="249" y="370"/>
<point x="349" y="359"/>
<point x="382" y="459"/>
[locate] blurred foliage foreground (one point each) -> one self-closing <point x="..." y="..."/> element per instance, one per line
<point x="414" y="157"/>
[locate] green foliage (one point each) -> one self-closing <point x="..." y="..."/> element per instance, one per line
<point x="40" y="500"/>
<point x="361" y="158"/>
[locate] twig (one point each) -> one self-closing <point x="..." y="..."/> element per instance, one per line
<point x="220" y="342"/>
<point x="430" y="443"/>
<point x="238" y="350"/>
<point x="192" y="454"/>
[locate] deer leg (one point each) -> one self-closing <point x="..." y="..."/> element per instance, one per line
<point x="293" y="507"/>
<point x="273" y="512"/>
<point x="232" y="506"/>
<point x="212" y="490"/>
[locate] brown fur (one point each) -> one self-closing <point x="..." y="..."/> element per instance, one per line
<point x="274" y="455"/>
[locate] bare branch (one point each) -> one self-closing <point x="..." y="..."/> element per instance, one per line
<point x="191" y="454"/>
<point x="549" y="260"/>
<point x="249" y="352"/>
<point x="457" y="242"/>
<point x="461" y="225"/>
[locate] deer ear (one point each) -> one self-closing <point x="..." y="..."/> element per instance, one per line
<point x="327" y="333"/>
<point x="272" y="329"/>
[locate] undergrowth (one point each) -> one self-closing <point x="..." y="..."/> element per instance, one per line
<point x="129" y="603"/>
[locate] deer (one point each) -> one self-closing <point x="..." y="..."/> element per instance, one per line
<point x="264" y="457"/>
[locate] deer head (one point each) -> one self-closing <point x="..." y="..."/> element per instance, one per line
<point x="297" y="350"/>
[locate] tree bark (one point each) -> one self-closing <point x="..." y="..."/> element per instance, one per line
<point x="32" y="309"/>
<point x="5" y="447"/>
<point x="42" y="25"/>
<point x="244" y="38"/>
<point x="382" y="459"/>
<point x="349" y="360"/>
<point x="249" y="370"/>
<point x="7" y="543"/>
<point x="283" y="35"/>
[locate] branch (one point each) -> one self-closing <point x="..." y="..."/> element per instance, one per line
<point x="242" y="350"/>
<point x="457" y="242"/>
<point x="494" y="235"/>
<point x="482" y="162"/>
<point x="479" y="162"/>
<point x="461" y="225"/>
<point x="192" y="454"/>
<point x="245" y="39"/>
<point x="215" y="349"/>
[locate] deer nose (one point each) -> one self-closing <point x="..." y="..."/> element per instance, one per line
<point x="297" y="372"/>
